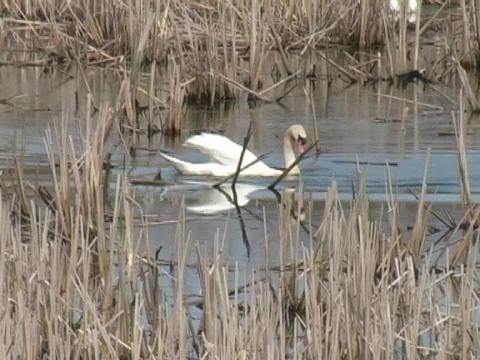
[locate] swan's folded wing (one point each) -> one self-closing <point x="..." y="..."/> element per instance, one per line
<point x="212" y="169"/>
<point x="219" y="148"/>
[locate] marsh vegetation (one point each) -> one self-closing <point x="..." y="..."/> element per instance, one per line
<point x="75" y="282"/>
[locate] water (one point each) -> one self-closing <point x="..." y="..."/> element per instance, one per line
<point x="351" y="138"/>
<point x="360" y="127"/>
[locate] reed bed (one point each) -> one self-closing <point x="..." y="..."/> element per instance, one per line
<point x="74" y="284"/>
<point x="216" y="46"/>
<point x="208" y="51"/>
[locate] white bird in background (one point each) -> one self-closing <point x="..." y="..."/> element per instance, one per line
<point x="411" y="10"/>
<point x="412" y="7"/>
<point x="226" y="155"/>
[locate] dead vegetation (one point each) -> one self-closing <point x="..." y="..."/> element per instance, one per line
<point x="209" y="51"/>
<point x="75" y="285"/>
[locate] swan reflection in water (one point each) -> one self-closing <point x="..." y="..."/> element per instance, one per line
<point x="217" y="200"/>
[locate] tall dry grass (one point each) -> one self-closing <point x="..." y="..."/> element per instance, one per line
<point x="208" y="51"/>
<point x="218" y="47"/>
<point x="74" y="285"/>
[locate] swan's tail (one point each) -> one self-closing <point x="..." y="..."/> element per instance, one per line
<point x="180" y="165"/>
<point x="188" y="168"/>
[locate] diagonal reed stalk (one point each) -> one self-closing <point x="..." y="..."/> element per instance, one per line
<point x="466" y="87"/>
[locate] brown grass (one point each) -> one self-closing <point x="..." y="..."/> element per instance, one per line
<point x="211" y="40"/>
<point x="205" y="51"/>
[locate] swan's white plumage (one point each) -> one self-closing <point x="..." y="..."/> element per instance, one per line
<point x="226" y="153"/>
<point x="220" y="148"/>
<point x="209" y="168"/>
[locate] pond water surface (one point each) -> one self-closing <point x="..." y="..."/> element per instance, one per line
<point x="360" y="127"/>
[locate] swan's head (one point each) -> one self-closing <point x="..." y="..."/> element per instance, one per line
<point x="298" y="137"/>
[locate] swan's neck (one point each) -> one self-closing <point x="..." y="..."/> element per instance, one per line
<point x="288" y="151"/>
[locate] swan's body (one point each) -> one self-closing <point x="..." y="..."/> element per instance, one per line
<point x="226" y="155"/>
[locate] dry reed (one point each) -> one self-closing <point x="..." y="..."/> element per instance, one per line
<point x="208" y="51"/>
<point x="74" y="284"/>
<point x="210" y="40"/>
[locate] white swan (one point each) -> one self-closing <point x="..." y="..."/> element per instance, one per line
<point x="227" y="154"/>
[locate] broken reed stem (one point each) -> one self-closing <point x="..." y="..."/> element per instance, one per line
<point x="419" y="232"/>
<point x="287" y="170"/>
<point x="401" y="62"/>
<point x="151" y="94"/>
<point x="416" y="51"/>
<point x="223" y="181"/>
<point x="240" y="160"/>
<point x="465" y="192"/>
<point x="313" y="113"/>
<point x="177" y="106"/>
<point x="470" y="48"/>
<point x="471" y="95"/>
